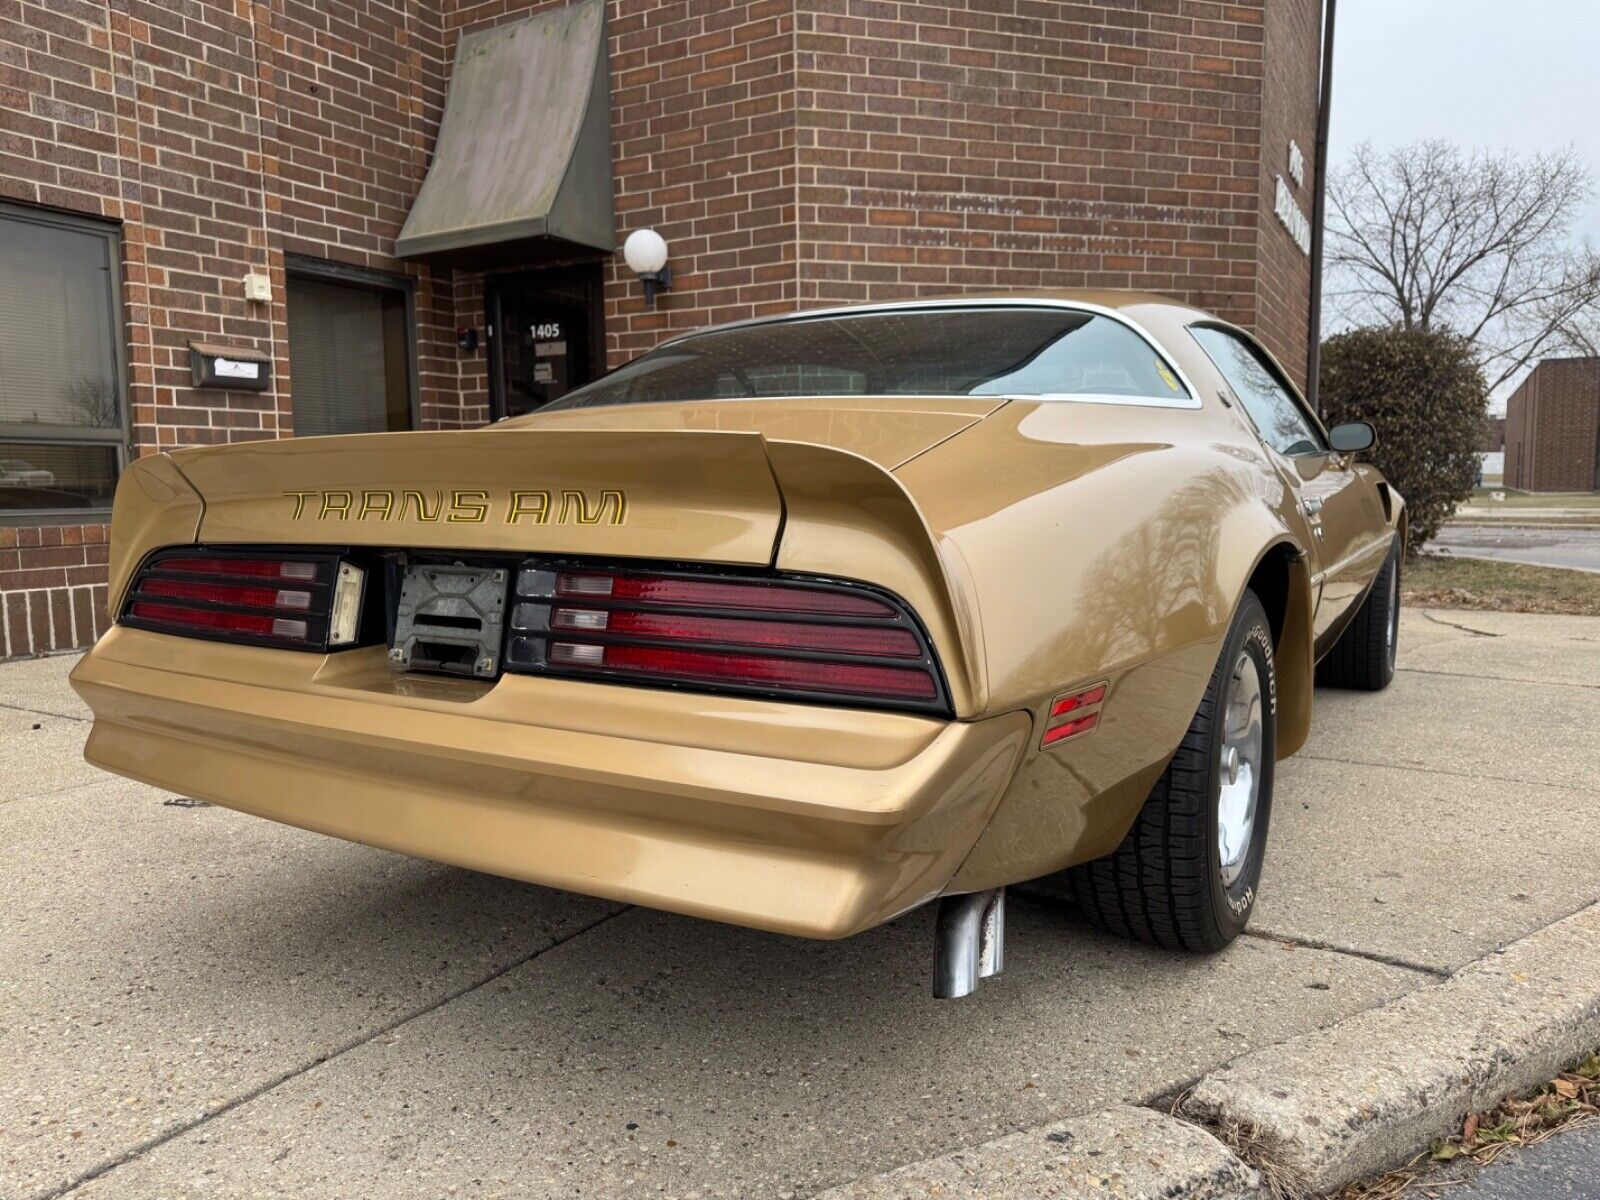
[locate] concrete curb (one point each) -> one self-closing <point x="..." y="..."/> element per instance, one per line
<point x="1319" y="1111"/>
<point x="1123" y="1152"/>
<point x="1342" y="1103"/>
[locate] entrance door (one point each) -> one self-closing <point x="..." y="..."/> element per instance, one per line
<point x="545" y="336"/>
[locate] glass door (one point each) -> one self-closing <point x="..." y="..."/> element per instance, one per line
<point x="546" y="337"/>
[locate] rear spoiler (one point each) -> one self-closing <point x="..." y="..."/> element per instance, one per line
<point x="680" y="496"/>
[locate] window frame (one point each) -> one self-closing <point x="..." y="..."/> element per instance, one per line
<point x="118" y="436"/>
<point x="321" y="270"/>
<point x="1279" y="375"/>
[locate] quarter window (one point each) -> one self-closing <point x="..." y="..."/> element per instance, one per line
<point x="61" y="363"/>
<point x="1277" y="415"/>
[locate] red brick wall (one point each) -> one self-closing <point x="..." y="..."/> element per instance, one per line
<point x="977" y="144"/>
<point x="1288" y="111"/>
<point x="792" y="152"/>
<point x="220" y="136"/>
<point x="702" y="129"/>
<point x="54" y="596"/>
<point x="1553" y="428"/>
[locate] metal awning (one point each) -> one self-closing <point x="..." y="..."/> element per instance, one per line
<point x="522" y="165"/>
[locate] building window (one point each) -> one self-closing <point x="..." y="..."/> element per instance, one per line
<point x="62" y="432"/>
<point x="352" y="368"/>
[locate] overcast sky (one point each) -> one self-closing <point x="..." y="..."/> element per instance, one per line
<point x="1524" y="74"/>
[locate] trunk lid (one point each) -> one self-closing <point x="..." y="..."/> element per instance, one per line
<point x="692" y="496"/>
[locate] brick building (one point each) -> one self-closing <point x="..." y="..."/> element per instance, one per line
<point x="1553" y="428"/>
<point x="163" y="163"/>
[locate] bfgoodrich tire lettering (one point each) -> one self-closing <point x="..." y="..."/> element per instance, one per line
<point x="1167" y="882"/>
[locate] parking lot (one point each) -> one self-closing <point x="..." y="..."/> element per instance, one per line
<point x="199" y="1003"/>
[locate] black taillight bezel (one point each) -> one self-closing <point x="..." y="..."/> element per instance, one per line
<point x="317" y="617"/>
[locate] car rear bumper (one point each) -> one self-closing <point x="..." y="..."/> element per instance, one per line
<point x="795" y="818"/>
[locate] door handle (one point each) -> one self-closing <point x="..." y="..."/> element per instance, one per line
<point x="1312" y="505"/>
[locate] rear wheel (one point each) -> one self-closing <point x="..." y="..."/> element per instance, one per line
<point x="1363" y="657"/>
<point x="1186" y="875"/>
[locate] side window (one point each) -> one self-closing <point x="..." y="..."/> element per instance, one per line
<point x="1278" y="417"/>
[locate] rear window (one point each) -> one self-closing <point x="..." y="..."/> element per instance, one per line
<point x="1036" y="352"/>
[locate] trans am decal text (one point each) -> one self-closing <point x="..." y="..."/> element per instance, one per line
<point x="474" y="506"/>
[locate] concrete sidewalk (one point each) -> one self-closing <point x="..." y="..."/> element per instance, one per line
<point x="201" y="1003"/>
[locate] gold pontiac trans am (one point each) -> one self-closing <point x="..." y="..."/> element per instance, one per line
<point x="796" y="623"/>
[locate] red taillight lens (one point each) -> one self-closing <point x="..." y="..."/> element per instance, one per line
<point x="704" y="593"/>
<point x="755" y="670"/>
<point x="847" y="639"/>
<point x="228" y="593"/>
<point x="245" y="596"/>
<point x="776" y="636"/>
<point x="225" y="622"/>
<point x="262" y="568"/>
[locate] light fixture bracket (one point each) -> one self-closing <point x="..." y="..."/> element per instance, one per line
<point x="660" y="281"/>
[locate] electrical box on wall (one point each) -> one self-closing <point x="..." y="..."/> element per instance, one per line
<point x="229" y="368"/>
<point x="258" y="288"/>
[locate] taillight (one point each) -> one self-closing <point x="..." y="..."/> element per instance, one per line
<point x="774" y="636"/>
<point x="300" y="600"/>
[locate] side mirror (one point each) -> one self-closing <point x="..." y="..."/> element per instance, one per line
<point x="1352" y="437"/>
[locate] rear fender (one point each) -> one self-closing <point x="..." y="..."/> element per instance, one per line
<point x="846" y="516"/>
<point x="155" y="506"/>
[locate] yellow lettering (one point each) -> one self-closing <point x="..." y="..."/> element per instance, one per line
<point x="299" y="502"/>
<point x="575" y="507"/>
<point x="378" y="504"/>
<point x="529" y="504"/>
<point x="421" y="501"/>
<point x="469" y="507"/>
<point x="336" y="503"/>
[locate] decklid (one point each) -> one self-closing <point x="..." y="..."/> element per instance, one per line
<point x="685" y="482"/>
<point x="707" y="496"/>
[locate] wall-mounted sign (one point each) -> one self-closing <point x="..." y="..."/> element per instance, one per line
<point x="1294" y="220"/>
<point x="1297" y="164"/>
<point x="232" y="368"/>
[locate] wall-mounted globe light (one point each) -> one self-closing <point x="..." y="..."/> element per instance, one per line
<point x="645" y="252"/>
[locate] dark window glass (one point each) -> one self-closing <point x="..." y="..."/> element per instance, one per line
<point x="349" y="358"/>
<point x="61" y="427"/>
<point x="1041" y="352"/>
<point x="58" y="363"/>
<point x="42" y="476"/>
<point x="1277" y="415"/>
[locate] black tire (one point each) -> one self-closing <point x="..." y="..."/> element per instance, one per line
<point x="1165" y="883"/>
<point x="1363" y="657"/>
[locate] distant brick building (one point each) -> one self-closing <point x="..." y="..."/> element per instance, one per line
<point x="1553" y="428"/>
<point x="1494" y="435"/>
<point x="792" y="153"/>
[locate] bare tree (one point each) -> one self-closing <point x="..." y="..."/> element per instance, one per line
<point x="1428" y="237"/>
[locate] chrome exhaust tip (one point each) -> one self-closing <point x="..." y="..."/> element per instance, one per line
<point x="969" y="942"/>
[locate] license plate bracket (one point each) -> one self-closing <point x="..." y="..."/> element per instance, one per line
<point x="450" y="619"/>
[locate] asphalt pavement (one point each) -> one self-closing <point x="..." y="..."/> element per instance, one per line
<point x="201" y="1003"/>
<point x="1577" y="549"/>
<point x="1566" y="1167"/>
